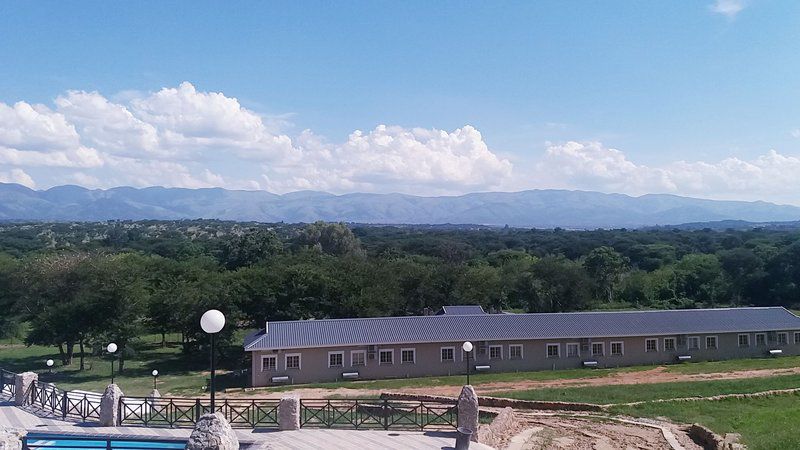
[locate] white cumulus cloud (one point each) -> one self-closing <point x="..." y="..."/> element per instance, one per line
<point x="728" y="8"/>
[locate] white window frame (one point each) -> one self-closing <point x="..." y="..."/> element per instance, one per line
<point x="577" y="346"/>
<point x="763" y="340"/>
<point x="674" y="344"/>
<point x="797" y="337"/>
<point x="621" y="347"/>
<point x="299" y="361"/>
<point x="602" y="348"/>
<point x="358" y="352"/>
<point x="275" y="357"/>
<point x="413" y="355"/>
<point x="335" y="353"/>
<point x="382" y="351"/>
<point x="647" y="341"/>
<point x="778" y="338"/>
<point x="739" y="340"/>
<point x="716" y="343"/>
<point x="521" y="351"/>
<point x="547" y="350"/>
<point x="441" y="356"/>
<point x="495" y="347"/>
<point x="689" y="339"/>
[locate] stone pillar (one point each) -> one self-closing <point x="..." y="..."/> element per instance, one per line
<point x="289" y="413"/>
<point x="212" y="432"/>
<point x="22" y="384"/>
<point x="468" y="410"/>
<point x="109" y="406"/>
<point x="155" y="394"/>
<point x="11" y="439"/>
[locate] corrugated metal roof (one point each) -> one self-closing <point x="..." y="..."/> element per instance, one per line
<point x="488" y="327"/>
<point x="461" y="310"/>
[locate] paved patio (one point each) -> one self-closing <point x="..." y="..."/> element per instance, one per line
<point x="307" y="438"/>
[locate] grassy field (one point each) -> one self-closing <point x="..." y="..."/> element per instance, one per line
<point x="643" y="392"/>
<point x="178" y="374"/>
<point x="765" y="423"/>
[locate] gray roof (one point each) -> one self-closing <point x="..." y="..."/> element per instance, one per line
<point x="489" y="327"/>
<point x="461" y="310"/>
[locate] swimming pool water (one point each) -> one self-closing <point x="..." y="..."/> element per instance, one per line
<point x="63" y="442"/>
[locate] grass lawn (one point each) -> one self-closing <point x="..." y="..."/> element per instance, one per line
<point x="643" y="392"/>
<point x="730" y="365"/>
<point x="764" y="423"/>
<point x="178" y="374"/>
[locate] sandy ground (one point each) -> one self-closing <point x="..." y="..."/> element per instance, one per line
<point x="655" y="375"/>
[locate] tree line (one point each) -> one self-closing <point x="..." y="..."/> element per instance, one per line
<point x="78" y="286"/>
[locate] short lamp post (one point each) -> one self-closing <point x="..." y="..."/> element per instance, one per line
<point x="467" y="347"/>
<point x="155" y="379"/>
<point x="49" y="364"/>
<point x="212" y="322"/>
<point x="112" y="349"/>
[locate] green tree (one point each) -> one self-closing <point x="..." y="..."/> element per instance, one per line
<point x="606" y="266"/>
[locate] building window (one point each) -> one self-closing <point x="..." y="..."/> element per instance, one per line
<point x="694" y="343"/>
<point x="797" y="337"/>
<point x="335" y="359"/>
<point x="783" y="338"/>
<point x="617" y="349"/>
<point x="573" y="350"/>
<point x="408" y="356"/>
<point x="553" y="350"/>
<point x="651" y="345"/>
<point x="744" y="340"/>
<point x="711" y="342"/>
<point x="515" y="351"/>
<point x="386" y="357"/>
<point x="269" y="363"/>
<point x="448" y="354"/>
<point x="293" y="361"/>
<point x="598" y="348"/>
<point x="358" y="358"/>
<point x="761" y="339"/>
<point x="495" y="352"/>
<point x="669" y="344"/>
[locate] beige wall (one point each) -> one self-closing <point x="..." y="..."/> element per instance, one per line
<point x="314" y="361"/>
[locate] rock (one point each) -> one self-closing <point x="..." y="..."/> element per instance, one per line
<point x="493" y="434"/>
<point x="11" y="439"/>
<point x="468" y="410"/>
<point x="22" y="384"/>
<point x="289" y="413"/>
<point x="212" y="432"/>
<point x="109" y="406"/>
<point x="155" y="394"/>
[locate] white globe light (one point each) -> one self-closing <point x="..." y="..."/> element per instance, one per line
<point x="212" y="321"/>
<point x="49" y="363"/>
<point x="155" y="373"/>
<point x="467" y="347"/>
<point x="112" y="348"/>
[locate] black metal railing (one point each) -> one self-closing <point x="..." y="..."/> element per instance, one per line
<point x="64" y="404"/>
<point x="185" y="412"/>
<point x="377" y="414"/>
<point x="54" y="442"/>
<point x="8" y="384"/>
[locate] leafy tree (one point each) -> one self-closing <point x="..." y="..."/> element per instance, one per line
<point x="331" y="238"/>
<point x="606" y="266"/>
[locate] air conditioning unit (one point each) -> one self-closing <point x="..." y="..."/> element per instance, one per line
<point x="585" y="343"/>
<point x="682" y="340"/>
<point x="483" y="346"/>
<point x="371" y="351"/>
<point x="772" y="336"/>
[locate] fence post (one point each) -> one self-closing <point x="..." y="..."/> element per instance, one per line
<point x="109" y="406"/>
<point x="22" y="384"/>
<point x="289" y="413"/>
<point x="198" y="410"/>
<point x="468" y="410"/>
<point x="386" y="413"/>
<point x="64" y="404"/>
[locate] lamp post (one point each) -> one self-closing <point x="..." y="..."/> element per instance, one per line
<point x="212" y="322"/>
<point x="467" y="347"/>
<point x="155" y="379"/>
<point x="49" y="364"/>
<point x="112" y="348"/>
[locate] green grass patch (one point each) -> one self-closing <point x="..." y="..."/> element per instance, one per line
<point x="765" y="423"/>
<point x="730" y="365"/>
<point x="643" y="392"/>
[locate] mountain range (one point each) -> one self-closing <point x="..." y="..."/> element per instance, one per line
<point x="534" y="208"/>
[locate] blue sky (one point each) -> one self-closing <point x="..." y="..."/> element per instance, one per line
<point x="696" y="98"/>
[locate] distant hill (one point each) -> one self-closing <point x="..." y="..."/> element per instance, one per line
<point x="535" y="208"/>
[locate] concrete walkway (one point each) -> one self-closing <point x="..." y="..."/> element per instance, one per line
<point x="307" y="438"/>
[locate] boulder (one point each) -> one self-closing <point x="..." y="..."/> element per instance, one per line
<point x="289" y="413"/>
<point x="212" y="432"/>
<point x="468" y="410"/>
<point x="22" y="385"/>
<point x="11" y="439"/>
<point x="109" y="406"/>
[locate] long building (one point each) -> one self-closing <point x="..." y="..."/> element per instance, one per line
<point x="304" y="351"/>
